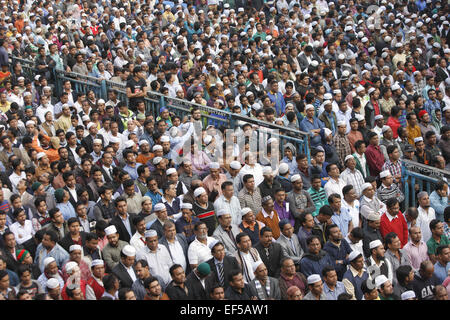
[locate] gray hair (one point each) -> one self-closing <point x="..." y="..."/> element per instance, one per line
<point x="422" y="194"/>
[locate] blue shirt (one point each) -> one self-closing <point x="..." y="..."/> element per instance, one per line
<point x="342" y="220"/>
<point x="156" y="197"/>
<point x="440" y="271"/>
<point x="67" y="210"/>
<point x="132" y="171"/>
<point x="333" y="295"/>
<point x="280" y="104"/>
<point x="439" y="204"/>
<point x="58" y="253"/>
<point x="307" y="126"/>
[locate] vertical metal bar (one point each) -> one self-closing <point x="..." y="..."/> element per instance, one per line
<point x="413" y="187"/>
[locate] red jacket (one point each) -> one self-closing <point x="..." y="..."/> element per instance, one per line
<point x="82" y="287"/>
<point x="397" y="225"/>
<point x="98" y="289"/>
<point x="375" y="159"/>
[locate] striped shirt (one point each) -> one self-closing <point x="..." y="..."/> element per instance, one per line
<point x="355" y="178"/>
<point x="394" y="168"/>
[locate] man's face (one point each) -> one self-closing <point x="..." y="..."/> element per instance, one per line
<point x="314" y="246"/>
<point x="335" y="234"/>
<point x="331" y="278"/>
<point x="238" y="282"/>
<point x="170" y="232"/>
<point x="162" y="214"/>
<point x="261" y="272"/>
<point x="288" y="230"/>
<point x="152" y="242"/>
<point x="250" y="184"/>
<point x="336" y="205"/>
<point x="74" y="228"/>
<point x="388" y="289"/>
<point x="218" y="294"/>
<point x="316" y="288"/>
<point x="10" y="241"/>
<point x="113" y="239"/>
<point x="154" y="289"/>
<point x="122" y="207"/>
<point x="4" y="283"/>
<point x="128" y="261"/>
<point x="424" y="201"/>
<point x="179" y="276"/>
<point x="141" y="272"/>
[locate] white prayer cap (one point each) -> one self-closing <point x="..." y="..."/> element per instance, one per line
<point x="159" y="207"/>
<point x="341" y="56"/>
<point x="30" y="122"/>
<point x="222" y="212"/>
<point x="100" y="101"/>
<point x="309" y="106"/>
<point x="326" y="102"/>
<point x="385" y="128"/>
<point x="52" y="283"/>
<point x="40" y="155"/>
<point x="371" y="90"/>
<point x="170" y="171"/>
<point x="327" y="132"/>
<point x="129" y="144"/>
<point x="314" y="278"/>
<point x="364" y="39"/>
<point x="314" y="63"/>
<point x="359" y="117"/>
<point x="27" y="93"/>
<point x="267" y="171"/>
<point x="90" y="125"/>
<point x="85" y="118"/>
<point x="284" y="167"/>
<point x="395" y="86"/>
<point x="186" y="205"/>
<point x="150" y="233"/>
<point x="365" y="186"/>
<point x="70" y="266"/>
<point x="48" y="260"/>
<point x="114" y="139"/>
<point x="214" y="165"/>
<point x="157" y="160"/>
<point x="353" y="255"/>
<point x="199" y="191"/>
<point x="375" y="244"/>
<point x="157" y="147"/>
<point x="244" y="211"/>
<point x="295" y="177"/>
<point x="384" y="174"/>
<point x="164" y="138"/>
<point x="359" y="89"/>
<point x="213" y="243"/>
<point x="97" y="262"/>
<point x="235" y="165"/>
<point x="97" y="141"/>
<point x="110" y="230"/>
<point x="272" y="139"/>
<point x="378" y="117"/>
<point x="381" y="279"/>
<point x="256" y="264"/>
<point x="418" y="139"/>
<point x="75" y="247"/>
<point x="410" y="294"/>
<point x="348" y="158"/>
<point x="129" y="251"/>
<point x="341" y="123"/>
<point x="207" y="140"/>
<point x="336" y="91"/>
<point x="226" y="92"/>
<point x="373" y="216"/>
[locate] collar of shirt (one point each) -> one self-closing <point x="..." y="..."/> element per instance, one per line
<point x="265" y="214"/>
<point x="388" y="215"/>
<point x="250" y="226"/>
<point x="126" y="217"/>
<point x="367" y="199"/>
<point x="356" y="272"/>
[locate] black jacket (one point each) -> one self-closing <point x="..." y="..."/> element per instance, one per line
<point x="273" y="259"/>
<point x="196" y="290"/>
<point x="121" y="229"/>
<point x="229" y="264"/>
<point x="176" y="293"/>
<point x="121" y="273"/>
<point x="67" y="241"/>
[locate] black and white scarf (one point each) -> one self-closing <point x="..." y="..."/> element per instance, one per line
<point x="261" y="294"/>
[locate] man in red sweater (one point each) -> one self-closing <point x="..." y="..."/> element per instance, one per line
<point x="374" y="155"/>
<point x="393" y="221"/>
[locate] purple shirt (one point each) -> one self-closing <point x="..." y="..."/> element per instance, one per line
<point x="283" y="213"/>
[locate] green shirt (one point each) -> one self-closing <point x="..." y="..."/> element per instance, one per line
<point x="384" y="298"/>
<point x="432" y="244"/>
<point x="319" y="198"/>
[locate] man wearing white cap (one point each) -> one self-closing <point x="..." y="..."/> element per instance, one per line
<point x="187" y="175"/>
<point x="251" y="167"/>
<point x="385" y="288"/>
<point x="124" y="269"/>
<point x="111" y="252"/>
<point x="355" y="275"/>
<point x="157" y="256"/>
<point x="369" y="202"/>
<point x="50" y="272"/>
<point x="76" y="255"/>
<point x="53" y="288"/>
<point x="227" y="231"/>
<point x="204" y="210"/>
<point x="233" y="175"/>
<point x="377" y="260"/>
<point x="214" y="180"/>
<point x="229" y="202"/>
<point x="388" y="188"/>
<point x="94" y="285"/>
<point x="263" y="286"/>
<point x="341" y="142"/>
<point x="315" y="286"/>
<point x="88" y="141"/>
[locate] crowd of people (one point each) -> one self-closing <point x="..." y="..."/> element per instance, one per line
<point x="104" y="199"/>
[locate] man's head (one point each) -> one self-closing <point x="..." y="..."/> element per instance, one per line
<point x="315" y="284"/>
<point x="236" y="280"/>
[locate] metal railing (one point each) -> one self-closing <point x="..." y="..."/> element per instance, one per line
<point x="418" y="177"/>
